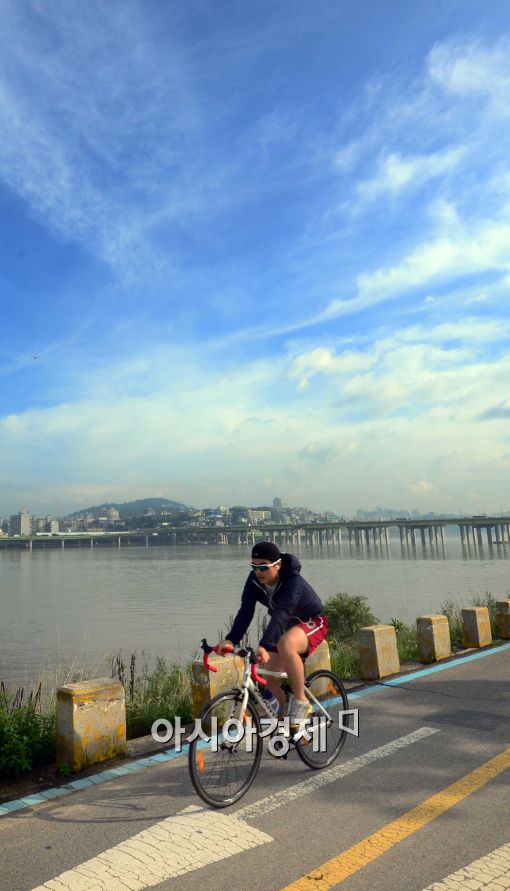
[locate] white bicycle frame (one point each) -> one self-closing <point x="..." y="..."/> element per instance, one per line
<point x="248" y="687"/>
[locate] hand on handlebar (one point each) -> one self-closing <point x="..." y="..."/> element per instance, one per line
<point x="262" y="655"/>
<point x="224" y="647"/>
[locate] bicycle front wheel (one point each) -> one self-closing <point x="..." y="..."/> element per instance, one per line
<point x="224" y="768"/>
<point x="329" y="734"/>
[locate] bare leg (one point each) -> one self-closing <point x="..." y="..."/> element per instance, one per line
<point x="291" y="646"/>
<point x="274" y="684"/>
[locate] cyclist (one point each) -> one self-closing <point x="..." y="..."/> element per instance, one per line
<point x="296" y="627"/>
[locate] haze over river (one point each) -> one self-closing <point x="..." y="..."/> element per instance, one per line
<point x="79" y="606"/>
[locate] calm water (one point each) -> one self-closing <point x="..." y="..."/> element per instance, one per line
<point x="79" y="605"/>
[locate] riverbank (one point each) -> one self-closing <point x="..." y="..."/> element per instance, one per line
<point x="28" y="723"/>
<point x="48" y="777"/>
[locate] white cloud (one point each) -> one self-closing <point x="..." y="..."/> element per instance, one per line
<point x="396" y="173"/>
<point x="322" y="360"/>
<point x="474" y="69"/>
<point x="347" y="157"/>
<point x="197" y="432"/>
<point x="487" y="249"/>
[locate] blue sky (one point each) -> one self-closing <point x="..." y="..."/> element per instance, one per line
<point x="257" y="249"/>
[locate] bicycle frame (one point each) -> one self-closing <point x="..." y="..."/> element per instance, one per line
<point x="249" y="688"/>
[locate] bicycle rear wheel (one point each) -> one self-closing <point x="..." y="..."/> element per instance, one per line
<point x="221" y="777"/>
<point x="329" y="736"/>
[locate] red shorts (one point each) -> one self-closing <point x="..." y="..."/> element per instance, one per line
<point x="315" y="629"/>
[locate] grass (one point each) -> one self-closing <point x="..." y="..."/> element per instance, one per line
<point x="164" y="691"/>
<point x="344" y="658"/>
<point x="27" y="734"/>
<point x="407" y="641"/>
<point x="28" y="722"/>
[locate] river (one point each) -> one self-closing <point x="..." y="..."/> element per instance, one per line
<point x="65" y="611"/>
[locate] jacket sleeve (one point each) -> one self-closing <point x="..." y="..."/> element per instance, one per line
<point x="244" y="615"/>
<point x="283" y="612"/>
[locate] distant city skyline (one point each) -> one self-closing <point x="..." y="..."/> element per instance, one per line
<point x="247" y="253"/>
<point x="23" y="522"/>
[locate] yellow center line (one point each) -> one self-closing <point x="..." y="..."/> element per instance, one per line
<point x="370" y="848"/>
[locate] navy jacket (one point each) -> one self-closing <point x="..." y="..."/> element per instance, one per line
<point x="293" y="601"/>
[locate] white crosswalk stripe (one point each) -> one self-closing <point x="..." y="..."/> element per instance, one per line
<point x="170" y="848"/>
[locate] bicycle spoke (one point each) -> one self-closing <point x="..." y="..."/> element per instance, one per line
<point x="222" y="777"/>
<point x="329" y="736"/>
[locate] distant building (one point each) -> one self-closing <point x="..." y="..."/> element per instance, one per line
<point x="21" y="523"/>
<point x="257" y="516"/>
<point x="278" y="504"/>
<point x="112" y="514"/>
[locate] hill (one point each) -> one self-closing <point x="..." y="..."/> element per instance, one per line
<point x="132" y="508"/>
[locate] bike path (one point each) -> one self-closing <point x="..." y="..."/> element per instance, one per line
<point x="416" y="739"/>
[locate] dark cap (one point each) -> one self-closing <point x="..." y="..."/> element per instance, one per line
<point x="266" y="550"/>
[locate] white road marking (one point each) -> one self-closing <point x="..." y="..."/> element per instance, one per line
<point x="265" y="805"/>
<point x="197" y="836"/>
<point x="489" y="873"/>
<point x="170" y="848"/>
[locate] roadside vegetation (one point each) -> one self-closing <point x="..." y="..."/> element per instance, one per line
<point x="162" y="689"/>
<point x="27" y="733"/>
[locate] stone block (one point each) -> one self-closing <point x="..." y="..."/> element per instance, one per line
<point x="319" y="659"/>
<point x="378" y="652"/>
<point x="503" y="619"/>
<point x="91" y="723"/>
<point x="206" y="684"/>
<point x="433" y="638"/>
<point x="477" y="626"/>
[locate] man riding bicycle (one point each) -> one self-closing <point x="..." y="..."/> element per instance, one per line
<point x="296" y="628"/>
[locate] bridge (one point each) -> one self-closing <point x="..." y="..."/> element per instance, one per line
<point x="363" y="534"/>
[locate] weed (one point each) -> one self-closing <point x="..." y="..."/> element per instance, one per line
<point x="407" y="640"/>
<point x="27" y="736"/>
<point x="344" y="658"/>
<point x="454" y="616"/>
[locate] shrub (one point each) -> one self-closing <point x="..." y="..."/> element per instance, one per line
<point x="27" y="737"/>
<point x="347" y="613"/>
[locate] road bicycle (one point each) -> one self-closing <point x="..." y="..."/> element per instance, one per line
<point x="223" y="763"/>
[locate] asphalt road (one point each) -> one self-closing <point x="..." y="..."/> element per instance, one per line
<point x="374" y="820"/>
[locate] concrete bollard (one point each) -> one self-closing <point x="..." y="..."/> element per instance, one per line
<point x="433" y="638"/>
<point x="503" y="619"/>
<point x="206" y="684"/>
<point x="378" y="652"/>
<point x="91" y="723"/>
<point x="319" y="659"/>
<point x="477" y="626"/>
